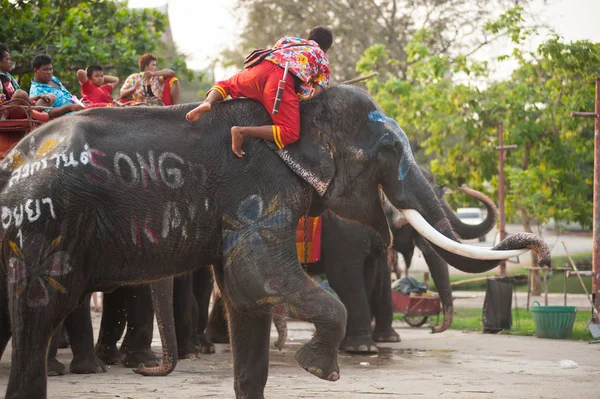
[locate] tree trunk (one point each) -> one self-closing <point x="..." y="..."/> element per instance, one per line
<point x="535" y="282"/>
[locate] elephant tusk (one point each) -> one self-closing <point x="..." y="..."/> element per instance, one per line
<point x="426" y="230"/>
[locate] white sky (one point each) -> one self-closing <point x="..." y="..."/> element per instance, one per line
<point x="202" y="28"/>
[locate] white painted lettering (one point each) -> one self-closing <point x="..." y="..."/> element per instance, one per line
<point x="172" y="176"/>
<point x="133" y="172"/>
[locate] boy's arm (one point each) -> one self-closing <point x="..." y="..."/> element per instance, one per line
<point x="59" y="111"/>
<point x="129" y="87"/>
<point x="111" y="80"/>
<point x="82" y="76"/>
<point x="166" y="73"/>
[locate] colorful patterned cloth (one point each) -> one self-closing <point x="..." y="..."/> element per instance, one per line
<point x="63" y="97"/>
<point x="8" y="85"/>
<point x="149" y="92"/>
<point x="306" y="60"/>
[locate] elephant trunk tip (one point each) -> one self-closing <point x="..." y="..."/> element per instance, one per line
<point x="530" y="241"/>
<point x="446" y="323"/>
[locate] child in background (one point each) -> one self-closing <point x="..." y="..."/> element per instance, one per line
<point x="96" y="87"/>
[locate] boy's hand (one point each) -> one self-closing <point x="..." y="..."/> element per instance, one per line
<point x="148" y="74"/>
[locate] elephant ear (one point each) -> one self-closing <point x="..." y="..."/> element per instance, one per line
<point x="311" y="157"/>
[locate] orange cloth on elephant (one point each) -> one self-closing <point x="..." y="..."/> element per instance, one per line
<point x="260" y="83"/>
<point x="314" y="239"/>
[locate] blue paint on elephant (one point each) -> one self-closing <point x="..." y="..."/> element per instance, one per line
<point x="252" y="224"/>
<point x="407" y="156"/>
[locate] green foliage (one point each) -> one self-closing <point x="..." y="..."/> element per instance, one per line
<point x="77" y="33"/>
<point x="360" y="24"/>
<point x="450" y="107"/>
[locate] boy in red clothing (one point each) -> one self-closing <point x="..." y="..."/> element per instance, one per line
<point x="308" y="67"/>
<point x="96" y="87"/>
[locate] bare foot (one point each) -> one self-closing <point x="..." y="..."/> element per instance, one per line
<point x="237" y="140"/>
<point x="197" y="112"/>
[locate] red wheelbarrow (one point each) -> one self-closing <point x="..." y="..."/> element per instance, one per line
<point x="415" y="307"/>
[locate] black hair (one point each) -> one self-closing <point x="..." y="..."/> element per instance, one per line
<point x="3" y="49"/>
<point x="40" y="60"/>
<point x="322" y="36"/>
<point x="91" y="69"/>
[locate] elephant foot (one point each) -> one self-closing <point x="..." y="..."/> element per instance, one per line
<point x="88" y="364"/>
<point x="217" y="336"/>
<point x="359" y="344"/>
<point x="134" y="358"/>
<point x="386" y="335"/>
<point x="55" y="368"/>
<point x="108" y="354"/>
<point x="206" y="346"/>
<point x="188" y="350"/>
<point x="319" y="361"/>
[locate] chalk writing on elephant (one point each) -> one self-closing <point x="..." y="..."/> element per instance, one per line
<point x="129" y="169"/>
<point x="29" y="211"/>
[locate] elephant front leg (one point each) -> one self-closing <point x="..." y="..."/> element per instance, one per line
<point x="136" y="344"/>
<point x="305" y="300"/>
<point x="381" y="304"/>
<point x="79" y="327"/>
<point x="203" y="288"/>
<point x="217" y="330"/>
<point x="162" y="299"/>
<point x="186" y="317"/>
<point x="112" y="325"/>
<point x="348" y="281"/>
<point x="33" y="328"/>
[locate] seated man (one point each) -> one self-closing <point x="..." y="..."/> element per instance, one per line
<point x="96" y="87"/>
<point x="44" y="83"/>
<point x="151" y="86"/>
<point x="10" y="89"/>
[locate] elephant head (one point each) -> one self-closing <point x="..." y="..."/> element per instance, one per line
<point x="349" y="148"/>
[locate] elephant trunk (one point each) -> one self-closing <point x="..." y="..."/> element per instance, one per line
<point x="441" y="278"/>
<point x="413" y="191"/>
<point x="467" y="231"/>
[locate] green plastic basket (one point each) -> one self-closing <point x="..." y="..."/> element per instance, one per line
<point x="553" y="321"/>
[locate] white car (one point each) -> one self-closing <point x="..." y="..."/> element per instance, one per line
<point x="471" y="216"/>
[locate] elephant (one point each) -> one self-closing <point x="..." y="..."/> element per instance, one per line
<point x="113" y="196"/>
<point x="354" y="259"/>
<point x="132" y="306"/>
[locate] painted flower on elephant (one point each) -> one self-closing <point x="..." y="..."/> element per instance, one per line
<point x="252" y="225"/>
<point x="34" y="270"/>
<point x="16" y="158"/>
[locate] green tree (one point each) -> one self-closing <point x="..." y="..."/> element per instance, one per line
<point x="77" y="33"/>
<point x="359" y="24"/>
<point x="450" y="107"/>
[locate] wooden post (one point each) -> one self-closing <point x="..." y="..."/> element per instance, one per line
<point x="596" y="226"/>
<point x="501" y="217"/>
